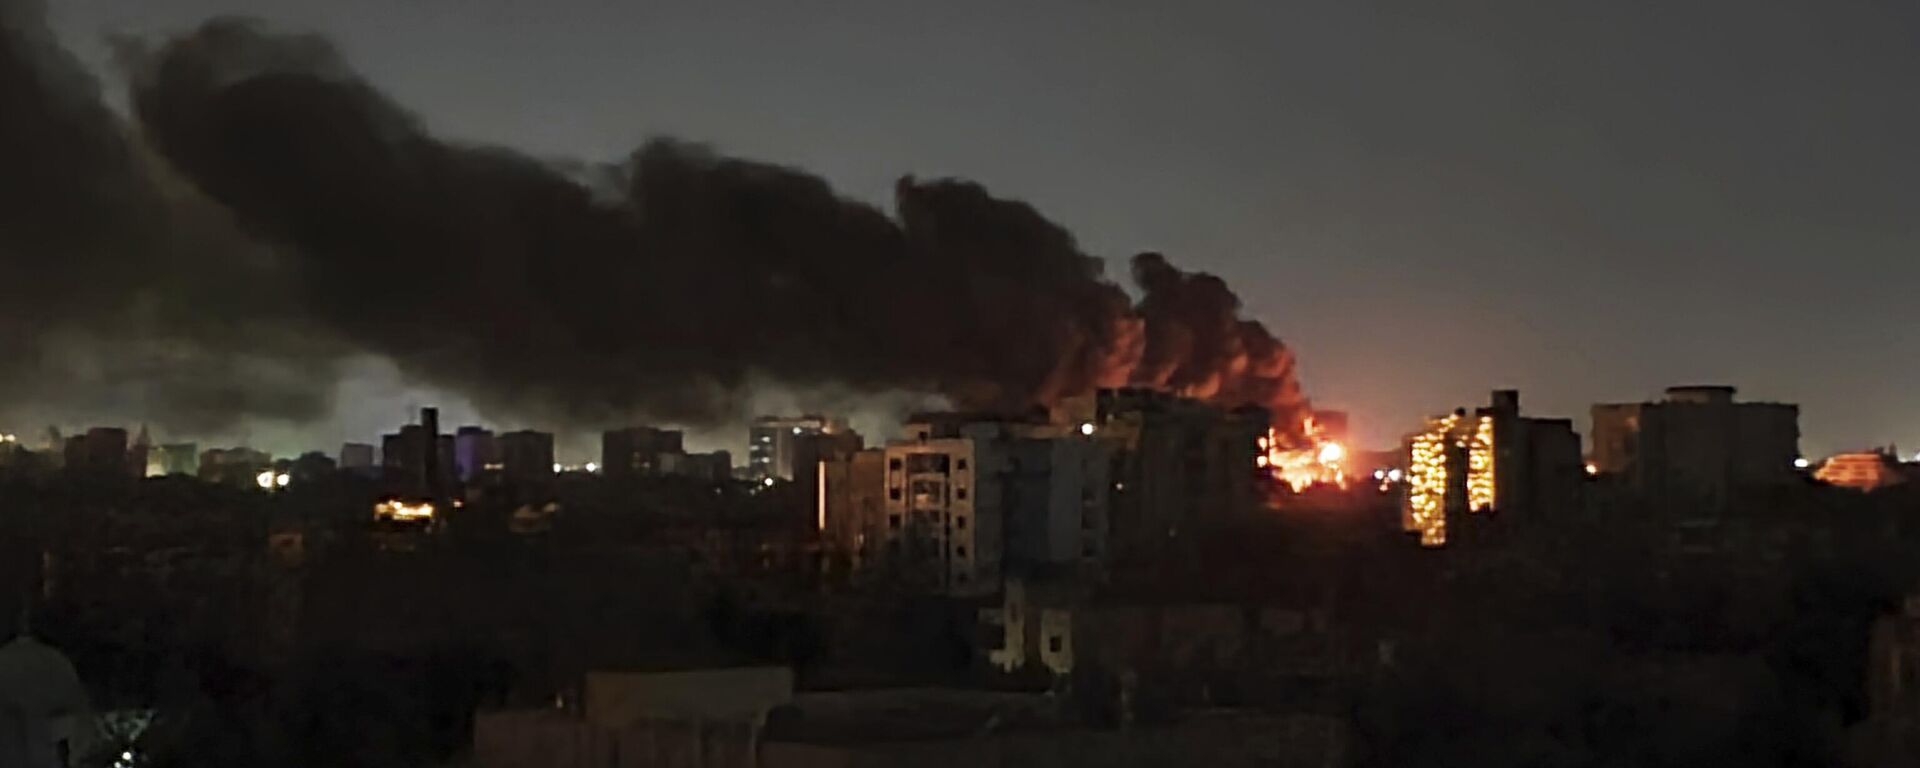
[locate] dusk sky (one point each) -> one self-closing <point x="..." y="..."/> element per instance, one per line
<point x="1587" y="202"/>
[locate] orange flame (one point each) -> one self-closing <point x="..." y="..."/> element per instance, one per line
<point x="1317" y="460"/>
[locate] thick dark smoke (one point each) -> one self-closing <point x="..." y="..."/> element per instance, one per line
<point x="121" y="288"/>
<point x="658" y="287"/>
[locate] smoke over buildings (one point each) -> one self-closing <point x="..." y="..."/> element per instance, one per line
<point x="288" y="214"/>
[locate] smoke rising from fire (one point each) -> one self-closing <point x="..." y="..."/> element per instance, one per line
<point x="662" y="286"/>
<point x="121" y="288"/>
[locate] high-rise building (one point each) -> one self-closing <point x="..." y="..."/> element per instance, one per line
<point x="1492" y="461"/>
<point x="1697" y="445"/>
<point x="474" y="451"/>
<point x="418" y="457"/>
<point x="943" y="516"/>
<point x="639" y="451"/>
<point x="526" y="456"/>
<point x="770" y="443"/>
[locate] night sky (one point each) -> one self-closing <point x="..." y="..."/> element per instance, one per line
<point x="1583" y="202"/>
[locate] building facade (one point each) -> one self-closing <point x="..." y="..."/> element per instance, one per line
<point x="636" y="451"/>
<point x="850" y="507"/>
<point x="1491" y="461"/>
<point x="1175" y="462"/>
<point x="943" y="520"/>
<point x="526" y="456"/>
<point x="176" y="459"/>
<point x="102" y="450"/>
<point x="411" y="463"/>
<point x="1861" y="470"/>
<point x="771" y="444"/>
<point x="1698" y="444"/>
<point x="713" y="466"/>
<point x="233" y="466"/>
<point x="475" y="452"/>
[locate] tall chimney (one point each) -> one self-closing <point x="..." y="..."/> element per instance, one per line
<point x="430" y="464"/>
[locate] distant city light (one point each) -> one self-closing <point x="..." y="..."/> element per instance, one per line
<point x="1394" y="475"/>
<point x="592" y="467"/>
<point x="1801" y="463"/>
<point x="1332" y="453"/>
<point x="556" y="466"/>
<point x="281" y="480"/>
<point x="1379" y="474"/>
<point x="265" y="479"/>
<point x="796" y="430"/>
<point x="396" y="509"/>
<point x="768" y="482"/>
<point x="1592" y="469"/>
<point x="1086" y="428"/>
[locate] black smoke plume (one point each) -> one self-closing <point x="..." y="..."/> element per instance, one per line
<point x="660" y="286"/>
<point x="121" y="288"/>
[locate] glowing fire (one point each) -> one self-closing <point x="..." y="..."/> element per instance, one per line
<point x="1317" y="460"/>
<point x="401" y="511"/>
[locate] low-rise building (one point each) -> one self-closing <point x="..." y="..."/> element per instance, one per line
<point x="1861" y="470"/>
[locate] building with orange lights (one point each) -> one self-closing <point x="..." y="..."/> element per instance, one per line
<point x="1491" y="461"/>
<point x="1862" y="471"/>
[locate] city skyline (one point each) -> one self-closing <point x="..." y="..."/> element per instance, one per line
<point x="1587" y="232"/>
